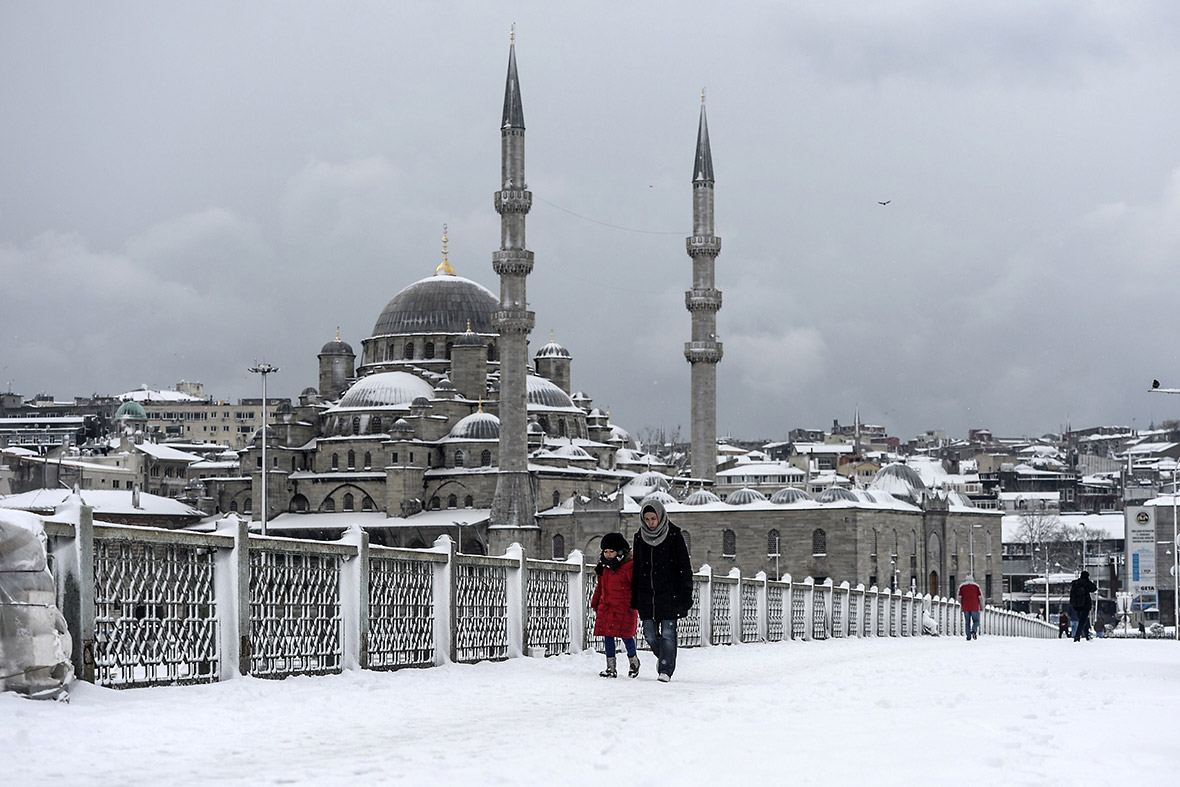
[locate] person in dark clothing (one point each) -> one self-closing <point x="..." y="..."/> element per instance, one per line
<point x="1079" y="598"/>
<point x="661" y="588"/>
<point x="1062" y="625"/>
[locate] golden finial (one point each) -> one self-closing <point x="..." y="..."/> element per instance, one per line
<point x="445" y="265"/>
<point x="469" y="325"/>
<point x="702" y="97"/>
<point x="552" y="337"/>
<point x="512" y="34"/>
<point x="337" y="333"/>
<point x="481" y="404"/>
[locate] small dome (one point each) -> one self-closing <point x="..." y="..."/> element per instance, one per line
<point x="552" y="350"/>
<point x="789" y="495"/>
<point x="744" y="496"/>
<point x="469" y="338"/>
<point x="542" y="393"/>
<point x="477" y="426"/>
<point x="898" y="472"/>
<point x="661" y="496"/>
<point x="535" y="428"/>
<point x="835" y="494"/>
<point x="402" y="426"/>
<point x="309" y="391"/>
<point x="386" y="389"/>
<point x="337" y="347"/>
<point x="444" y="385"/>
<point x="654" y="479"/>
<point x="421" y="401"/>
<point x="572" y="452"/>
<point x="701" y="497"/>
<point x="131" y="410"/>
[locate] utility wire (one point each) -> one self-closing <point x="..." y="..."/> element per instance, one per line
<point x="604" y="223"/>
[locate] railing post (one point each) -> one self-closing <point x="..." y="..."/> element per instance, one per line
<point x="76" y="565"/>
<point x="517" y="598"/>
<point x="444" y="600"/>
<point x="706" y="605"/>
<point x="844" y="599"/>
<point x="354" y="599"/>
<point x="874" y="609"/>
<point x="829" y="598"/>
<point x="788" y="607"/>
<point x="762" y="606"/>
<point x="808" y="607"/>
<point x="577" y="601"/>
<point x="231" y="576"/>
<point x="735" y="606"/>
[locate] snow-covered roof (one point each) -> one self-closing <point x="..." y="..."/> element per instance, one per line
<point x="103" y="501"/>
<point x="167" y="452"/>
<point x="146" y="394"/>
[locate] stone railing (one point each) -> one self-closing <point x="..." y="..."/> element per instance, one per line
<point x="152" y="607"/>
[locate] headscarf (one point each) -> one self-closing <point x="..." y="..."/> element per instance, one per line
<point x="655" y="537"/>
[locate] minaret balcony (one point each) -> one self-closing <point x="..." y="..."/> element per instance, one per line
<point x="518" y="321"/>
<point x="702" y="300"/>
<point x="508" y="262"/>
<point x="702" y="352"/>
<point x="703" y="245"/>
<point x="513" y="201"/>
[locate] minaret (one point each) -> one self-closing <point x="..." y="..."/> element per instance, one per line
<point x="514" y="507"/>
<point x="703" y="302"/>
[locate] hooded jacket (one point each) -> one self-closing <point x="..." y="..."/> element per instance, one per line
<point x="611" y="603"/>
<point x="970" y="594"/>
<point x="661" y="587"/>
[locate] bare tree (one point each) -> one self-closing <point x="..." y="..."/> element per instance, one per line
<point x="1045" y="534"/>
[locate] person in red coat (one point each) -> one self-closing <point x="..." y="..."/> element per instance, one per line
<point x="614" y="616"/>
<point x="969" y="597"/>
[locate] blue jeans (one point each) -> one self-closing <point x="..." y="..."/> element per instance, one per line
<point x="661" y="636"/>
<point x="628" y="643"/>
<point x="971" y="622"/>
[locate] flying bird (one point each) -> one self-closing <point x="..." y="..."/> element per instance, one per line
<point x="886" y="202"/>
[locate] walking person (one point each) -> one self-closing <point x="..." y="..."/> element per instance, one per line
<point x="661" y="589"/>
<point x="613" y="615"/>
<point x="1079" y="598"/>
<point x="969" y="597"/>
<point x="1063" y="626"/>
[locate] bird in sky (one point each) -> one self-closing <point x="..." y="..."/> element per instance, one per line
<point x="886" y="202"/>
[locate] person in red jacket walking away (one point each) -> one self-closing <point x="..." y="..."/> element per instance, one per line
<point x="611" y="602"/>
<point x="970" y="596"/>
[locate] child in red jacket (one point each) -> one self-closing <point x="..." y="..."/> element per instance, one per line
<point x="612" y="603"/>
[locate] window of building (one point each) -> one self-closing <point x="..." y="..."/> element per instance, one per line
<point x="233" y="506"/>
<point x="773" y="544"/>
<point x="458" y="458"/>
<point x="485" y="458"/>
<point x="819" y="542"/>
<point x="367" y="504"/>
<point x="329" y="505"/>
<point x="428" y="350"/>
<point x="556" y="498"/>
<point x="558" y="546"/>
<point x="348" y="501"/>
<point x="335" y="462"/>
<point x="247" y="505"/>
<point x="409" y="351"/>
<point x="352" y="460"/>
<point x="728" y="544"/>
<point x="435" y="503"/>
<point x="469" y="502"/>
<point x="376" y="423"/>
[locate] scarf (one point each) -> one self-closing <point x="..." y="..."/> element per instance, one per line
<point x="654" y="538"/>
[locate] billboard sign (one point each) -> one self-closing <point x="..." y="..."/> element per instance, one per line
<point x="1141" y="550"/>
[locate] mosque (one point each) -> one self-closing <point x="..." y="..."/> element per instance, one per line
<point x="443" y="424"/>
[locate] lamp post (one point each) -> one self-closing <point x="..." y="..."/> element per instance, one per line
<point x="264" y="369"/>
<point x="971" y="547"/>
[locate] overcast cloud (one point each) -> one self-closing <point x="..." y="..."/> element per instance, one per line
<point x="186" y="188"/>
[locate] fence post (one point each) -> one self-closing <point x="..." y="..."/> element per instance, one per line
<point x="231" y="578"/>
<point x="76" y="564"/>
<point x="354" y="599"/>
<point x="829" y="599"/>
<point x="705" y="603"/>
<point x="874" y="609"/>
<point x="762" y="606"/>
<point x="808" y="607"/>
<point x="517" y="598"/>
<point x="735" y="607"/>
<point x="844" y="599"/>
<point x="444" y="600"/>
<point x="577" y="601"/>
<point x="788" y="607"/>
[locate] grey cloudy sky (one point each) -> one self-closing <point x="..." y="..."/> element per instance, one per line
<point x="188" y="187"/>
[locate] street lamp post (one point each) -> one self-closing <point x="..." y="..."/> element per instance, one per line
<point x="971" y="547"/>
<point x="264" y="369"/>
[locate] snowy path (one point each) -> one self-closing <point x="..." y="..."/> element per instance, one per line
<point x="881" y="712"/>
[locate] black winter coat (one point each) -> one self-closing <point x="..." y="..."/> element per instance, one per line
<point x="1079" y="593"/>
<point x="661" y="588"/>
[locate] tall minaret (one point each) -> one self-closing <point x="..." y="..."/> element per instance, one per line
<point x="703" y="302"/>
<point x="514" y="507"/>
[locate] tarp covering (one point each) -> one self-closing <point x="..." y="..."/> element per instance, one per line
<point x="35" y="645"/>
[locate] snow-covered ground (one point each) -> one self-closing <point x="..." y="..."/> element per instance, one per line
<point x="996" y="711"/>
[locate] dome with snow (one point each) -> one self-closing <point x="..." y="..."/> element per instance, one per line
<point x="542" y="393"/>
<point x="132" y="411"/>
<point x="901" y="481"/>
<point x="386" y="389"/>
<point x="661" y="497"/>
<point x="336" y="347"/>
<point x="652" y="479"/>
<point x="838" y="494"/>
<point x="789" y="495"/>
<point x="442" y="303"/>
<point x="701" y="497"/>
<point x="744" y="496"/>
<point x="552" y="350"/>
<point x="477" y="426"/>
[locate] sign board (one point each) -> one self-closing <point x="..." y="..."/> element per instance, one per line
<point x="1141" y="550"/>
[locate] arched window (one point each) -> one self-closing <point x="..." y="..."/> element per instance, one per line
<point x="819" y="542"/>
<point x="428" y="350"/>
<point x="435" y="503"/>
<point x="329" y="505"/>
<point x="458" y="458"/>
<point x="469" y="502"/>
<point x="773" y="544"/>
<point x="376" y="424"/>
<point x="408" y="353"/>
<point x="894" y="553"/>
<point x="356" y="424"/>
<point x="728" y="544"/>
<point x="335" y="462"/>
<point x="556" y="498"/>
<point x="368" y="459"/>
<point x="352" y="460"/>
<point x="485" y="458"/>
<point x="558" y="546"/>
<point x="292" y="464"/>
<point x="299" y="504"/>
<point x="248" y="505"/>
<point x="874" y="555"/>
<point x="452" y="502"/>
<point x="233" y="506"/>
<point x="348" y="502"/>
<point x="367" y="504"/>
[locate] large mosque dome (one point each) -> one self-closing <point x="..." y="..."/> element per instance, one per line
<point x="385" y="390"/>
<point x="442" y="303"/>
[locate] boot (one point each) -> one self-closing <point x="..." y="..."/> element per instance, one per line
<point x="633" y="662"/>
<point x="610" y="671"/>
